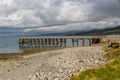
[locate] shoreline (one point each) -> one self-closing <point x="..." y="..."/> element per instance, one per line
<point x="32" y="51"/>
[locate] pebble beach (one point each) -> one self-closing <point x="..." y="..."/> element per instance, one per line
<point x="53" y="65"/>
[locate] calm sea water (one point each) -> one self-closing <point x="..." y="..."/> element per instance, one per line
<point x="9" y="44"/>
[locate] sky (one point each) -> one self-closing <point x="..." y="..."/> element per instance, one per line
<point x="58" y="15"/>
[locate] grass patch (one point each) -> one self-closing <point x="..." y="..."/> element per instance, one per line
<point x="110" y="71"/>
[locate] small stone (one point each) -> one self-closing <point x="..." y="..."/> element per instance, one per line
<point x="96" y="61"/>
<point x="45" y="78"/>
<point x="60" y="70"/>
<point x="80" y="61"/>
<point x="37" y="74"/>
<point x="66" y="62"/>
<point x="8" y="70"/>
<point x="59" y="57"/>
<point x="34" y="62"/>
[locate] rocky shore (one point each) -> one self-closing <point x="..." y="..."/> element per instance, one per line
<point x="52" y="65"/>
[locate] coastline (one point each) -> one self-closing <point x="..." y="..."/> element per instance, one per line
<point x="30" y="51"/>
<point x="52" y="65"/>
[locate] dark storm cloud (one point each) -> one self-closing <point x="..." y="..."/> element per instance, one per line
<point x="105" y="9"/>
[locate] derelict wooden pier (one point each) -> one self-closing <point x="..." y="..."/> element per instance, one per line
<point x="57" y="41"/>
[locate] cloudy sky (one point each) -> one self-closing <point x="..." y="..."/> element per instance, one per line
<point x="58" y="15"/>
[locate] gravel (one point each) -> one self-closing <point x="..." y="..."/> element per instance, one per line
<point x="53" y="65"/>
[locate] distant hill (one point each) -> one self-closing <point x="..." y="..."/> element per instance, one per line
<point x="106" y="31"/>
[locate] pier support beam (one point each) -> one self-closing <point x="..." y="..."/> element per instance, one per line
<point x="83" y="42"/>
<point x="58" y="42"/>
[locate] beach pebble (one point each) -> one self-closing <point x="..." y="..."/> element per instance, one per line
<point x="53" y="65"/>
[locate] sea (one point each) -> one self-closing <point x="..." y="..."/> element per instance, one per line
<point x="9" y="44"/>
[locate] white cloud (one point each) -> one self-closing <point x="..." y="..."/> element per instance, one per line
<point x="75" y="14"/>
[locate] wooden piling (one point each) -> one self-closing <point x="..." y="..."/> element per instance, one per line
<point x="52" y="42"/>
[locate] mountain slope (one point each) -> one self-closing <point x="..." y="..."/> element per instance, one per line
<point x="106" y="31"/>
